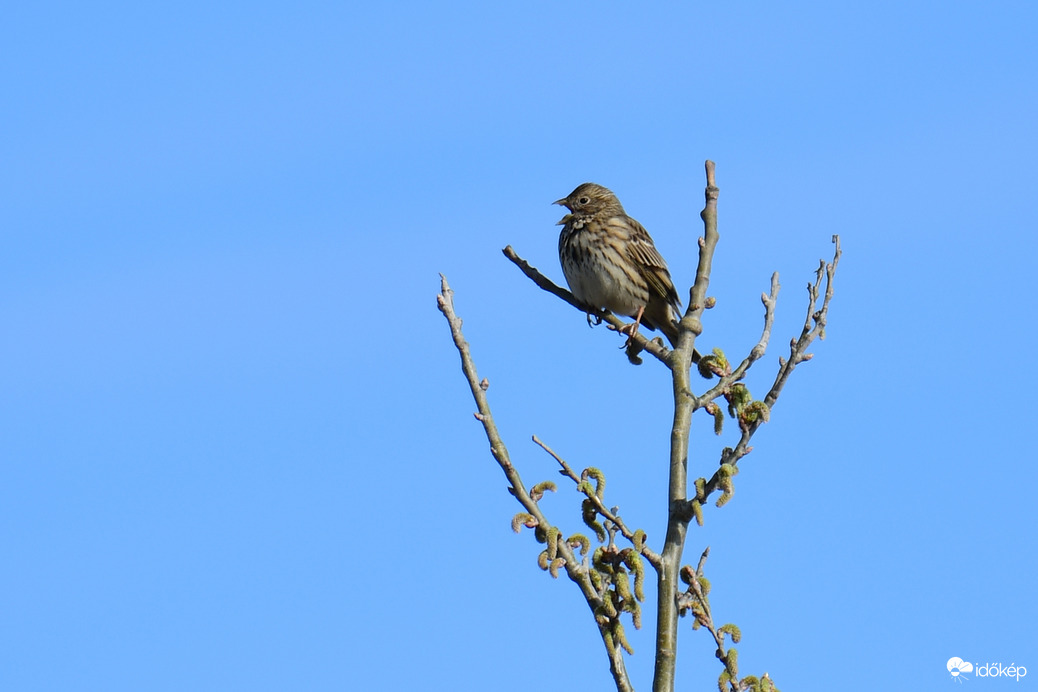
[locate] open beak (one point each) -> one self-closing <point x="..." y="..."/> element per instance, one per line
<point x="561" y="201"/>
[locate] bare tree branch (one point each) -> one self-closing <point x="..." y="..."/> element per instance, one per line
<point x="576" y="571"/>
<point x="677" y="521"/>
<point x="637" y="344"/>
<point x="814" y="326"/>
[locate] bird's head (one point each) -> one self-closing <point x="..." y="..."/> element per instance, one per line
<point x="590" y="198"/>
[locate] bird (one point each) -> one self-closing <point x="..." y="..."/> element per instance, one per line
<point x="610" y="262"/>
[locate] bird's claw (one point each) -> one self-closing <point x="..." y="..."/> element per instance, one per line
<point x="632" y="329"/>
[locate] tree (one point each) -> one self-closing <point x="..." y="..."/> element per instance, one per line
<point x="611" y="578"/>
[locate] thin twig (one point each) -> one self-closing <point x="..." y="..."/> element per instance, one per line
<point x="650" y="555"/>
<point x="704" y="615"/>
<point x="756" y="353"/>
<point x="576" y="571"/>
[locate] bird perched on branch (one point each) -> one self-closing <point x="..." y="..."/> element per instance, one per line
<point x="611" y="262"/>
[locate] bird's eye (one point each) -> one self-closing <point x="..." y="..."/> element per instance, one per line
<point x="584" y="200"/>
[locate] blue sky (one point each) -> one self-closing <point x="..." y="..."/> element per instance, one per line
<point x="237" y="450"/>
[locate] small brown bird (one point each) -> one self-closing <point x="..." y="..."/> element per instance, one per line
<point x="610" y="262"/>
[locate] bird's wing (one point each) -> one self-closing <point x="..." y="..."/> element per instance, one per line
<point x="642" y="250"/>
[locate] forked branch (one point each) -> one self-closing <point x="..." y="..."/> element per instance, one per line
<point x="603" y="578"/>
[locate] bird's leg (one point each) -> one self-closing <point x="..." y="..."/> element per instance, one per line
<point x="631" y="329"/>
<point x="597" y="320"/>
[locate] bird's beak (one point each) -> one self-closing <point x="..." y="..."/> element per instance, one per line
<point x="561" y="201"/>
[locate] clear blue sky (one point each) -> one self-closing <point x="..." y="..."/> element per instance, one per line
<point x="236" y="449"/>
